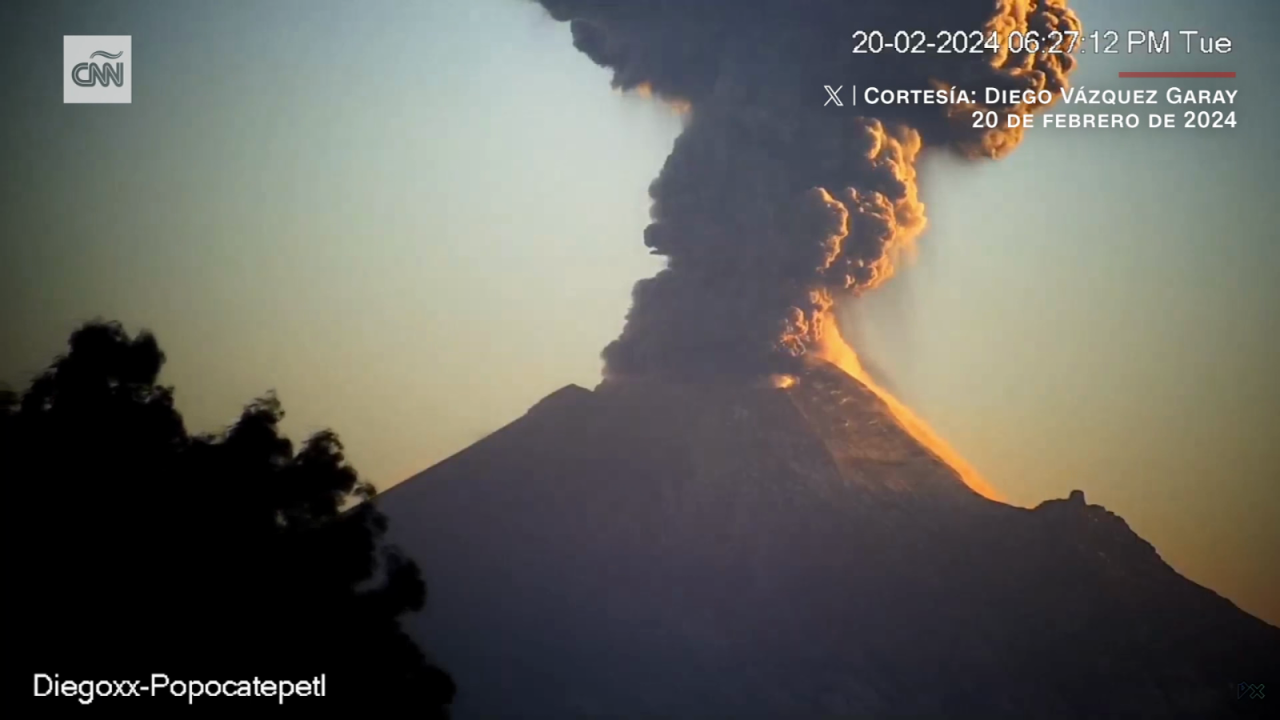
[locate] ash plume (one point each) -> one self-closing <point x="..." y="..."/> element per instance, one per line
<point x="771" y="205"/>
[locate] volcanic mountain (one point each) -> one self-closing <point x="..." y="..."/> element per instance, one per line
<point x="727" y="550"/>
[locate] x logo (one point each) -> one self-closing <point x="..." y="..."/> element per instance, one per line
<point x="1253" y="692"/>
<point x="833" y="96"/>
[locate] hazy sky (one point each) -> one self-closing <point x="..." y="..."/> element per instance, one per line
<point x="415" y="219"/>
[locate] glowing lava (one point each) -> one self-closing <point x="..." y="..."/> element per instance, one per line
<point x="833" y="349"/>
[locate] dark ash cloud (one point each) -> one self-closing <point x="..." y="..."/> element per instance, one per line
<point x="771" y="205"/>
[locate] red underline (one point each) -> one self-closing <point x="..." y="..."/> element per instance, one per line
<point x="1177" y="74"/>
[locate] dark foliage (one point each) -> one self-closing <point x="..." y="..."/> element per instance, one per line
<point x="227" y="556"/>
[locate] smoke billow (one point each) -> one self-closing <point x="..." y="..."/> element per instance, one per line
<point x="770" y="204"/>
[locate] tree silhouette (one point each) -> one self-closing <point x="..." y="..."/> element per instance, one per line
<point x="224" y="556"/>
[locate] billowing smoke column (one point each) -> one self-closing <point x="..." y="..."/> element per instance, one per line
<point x="770" y="203"/>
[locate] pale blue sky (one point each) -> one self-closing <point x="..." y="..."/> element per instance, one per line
<point x="415" y="219"/>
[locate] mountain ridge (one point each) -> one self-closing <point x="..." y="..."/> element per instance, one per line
<point x="729" y="550"/>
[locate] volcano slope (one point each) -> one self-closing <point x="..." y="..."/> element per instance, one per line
<point x="734" y="551"/>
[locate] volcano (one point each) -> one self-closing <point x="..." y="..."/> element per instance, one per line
<point x="652" y="549"/>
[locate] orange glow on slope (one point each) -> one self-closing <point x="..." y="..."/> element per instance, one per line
<point x="783" y="381"/>
<point x="836" y="351"/>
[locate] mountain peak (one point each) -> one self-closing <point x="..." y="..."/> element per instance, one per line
<point x="567" y="396"/>
<point x="736" y="549"/>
